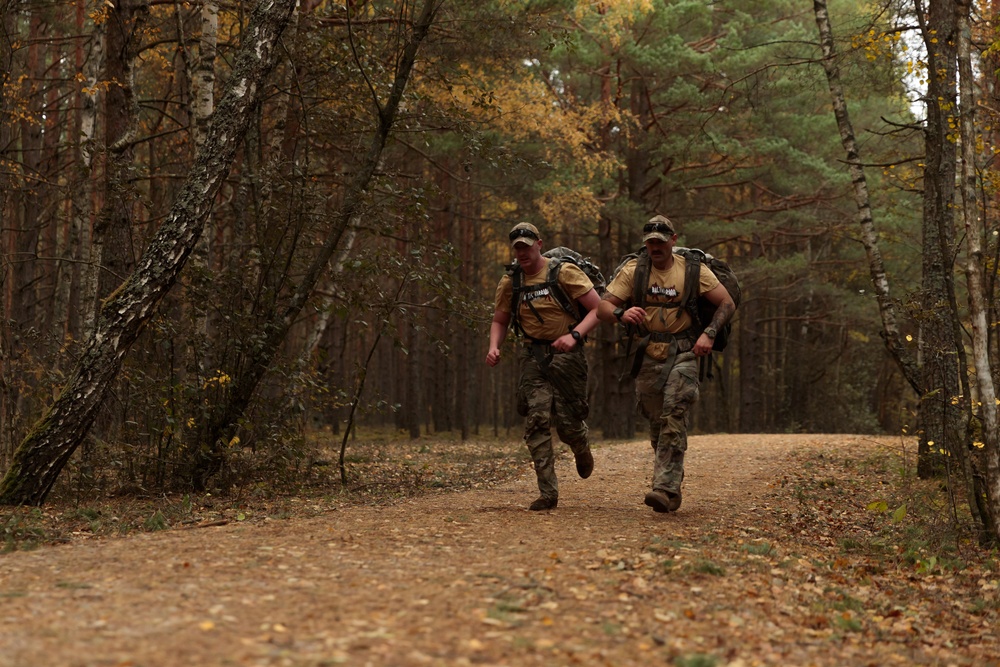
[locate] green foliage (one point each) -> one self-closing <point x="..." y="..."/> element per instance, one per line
<point x="20" y="531"/>
<point x="155" y="522"/>
<point x="909" y="524"/>
<point x="848" y="623"/>
<point x="763" y="548"/>
<point x="696" y="660"/>
<point x="705" y="566"/>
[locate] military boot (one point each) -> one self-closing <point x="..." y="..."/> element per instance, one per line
<point x="584" y="463"/>
<point x="543" y="503"/>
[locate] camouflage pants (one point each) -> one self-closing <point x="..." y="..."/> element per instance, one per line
<point x="546" y="404"/>
<point x="666" y="405"/>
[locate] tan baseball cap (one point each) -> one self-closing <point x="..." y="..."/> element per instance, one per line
<point x="659" y="227"/>
<point x="524" y="232"/>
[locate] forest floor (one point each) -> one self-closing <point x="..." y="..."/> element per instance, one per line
<point x="788" y="550"/>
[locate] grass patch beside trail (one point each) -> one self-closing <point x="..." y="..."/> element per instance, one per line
<point x="381" y="468"/>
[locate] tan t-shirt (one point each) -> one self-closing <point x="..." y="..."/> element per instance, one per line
<point x="555" y="321"/>
<point x="664" y="287"/>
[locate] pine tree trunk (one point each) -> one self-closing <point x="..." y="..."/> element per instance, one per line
<point x="616" y="408"/>
<point x="752" y="382"/>
<point x="113" y="232"/>
<point x="938" y="418"/>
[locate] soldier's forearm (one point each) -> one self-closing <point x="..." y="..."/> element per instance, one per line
<point x="606" y="310"/>
<point x="723" y="314"/>
<point x="498" y="331"/>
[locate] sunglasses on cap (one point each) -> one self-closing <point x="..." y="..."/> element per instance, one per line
<point x="523" y="233"/>
<point x="658" y="227"/>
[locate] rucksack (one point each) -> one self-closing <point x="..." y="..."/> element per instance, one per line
<point x="561" y="255"/>
<point x="701" y="309"/>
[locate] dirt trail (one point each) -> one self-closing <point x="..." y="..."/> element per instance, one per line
<point x="470" y="578"/>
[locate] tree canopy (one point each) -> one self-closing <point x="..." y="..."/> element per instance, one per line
<point x="327" y="258"/>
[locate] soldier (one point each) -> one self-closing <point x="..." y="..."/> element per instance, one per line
<point x="546" y="300"/>
<point x="666" y="362"/>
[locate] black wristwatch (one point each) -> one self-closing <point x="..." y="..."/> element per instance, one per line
<point x="710" y="332"/>
<point x="618" y="313"/>
<point x="576" y="335"/>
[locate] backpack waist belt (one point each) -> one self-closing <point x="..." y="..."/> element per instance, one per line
<point x="679" y="342"/>
<point x="538" y="347"/>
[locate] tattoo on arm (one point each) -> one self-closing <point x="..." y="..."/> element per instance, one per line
<point x="723" y="314"/>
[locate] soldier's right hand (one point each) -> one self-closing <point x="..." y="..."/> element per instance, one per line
<point x="634" y="315"/>
<point x="493" y="357"/>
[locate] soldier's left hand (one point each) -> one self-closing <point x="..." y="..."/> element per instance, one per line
<point x="703" y="346"/>
<point x="564" y="343"/>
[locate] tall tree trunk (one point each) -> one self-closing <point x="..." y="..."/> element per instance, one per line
<point x="325" y="306"/>
<point x="413" y="413"/>
<point x="21" y="235"/>
<point x="83" y="317"/>
<point x="30" y="194"/>
<point x="67" y="319"/>
<point x="974" y="236"/>
<point x="114" y="233"/>
<point x="939" y="341"/>
<point x="43" y="453"/>
<point x="617" y="405"/>
<point x="752" y="383"/>
<point x="466" y="368"/>
<point x="202" y="106"/>
<point x="203" y="102"/>
<point x="52" y="228"/>
<point x="8" y="392"/>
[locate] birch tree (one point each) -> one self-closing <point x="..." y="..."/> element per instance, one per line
<point x="978" y="305"/>
<point x="869" y="237"/>
<point x="224" y="419"/>
<point x="42" y="455"/>
<point x="932" y="375"/>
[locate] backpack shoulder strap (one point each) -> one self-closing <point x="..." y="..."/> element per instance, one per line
<point x="640" y="279"/>
<point x="692" y="283"/>
<point x="557" y="291"/>
<point x="516" y="274"/>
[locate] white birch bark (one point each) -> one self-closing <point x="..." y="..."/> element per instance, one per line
<point x="77" y="247"/>
<point x="890" y="328"/>
<point x="202" y="107"/>
<point x="325" y="306"/>
<point x="978" y="305"/>
<point x="203" y="103"/>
